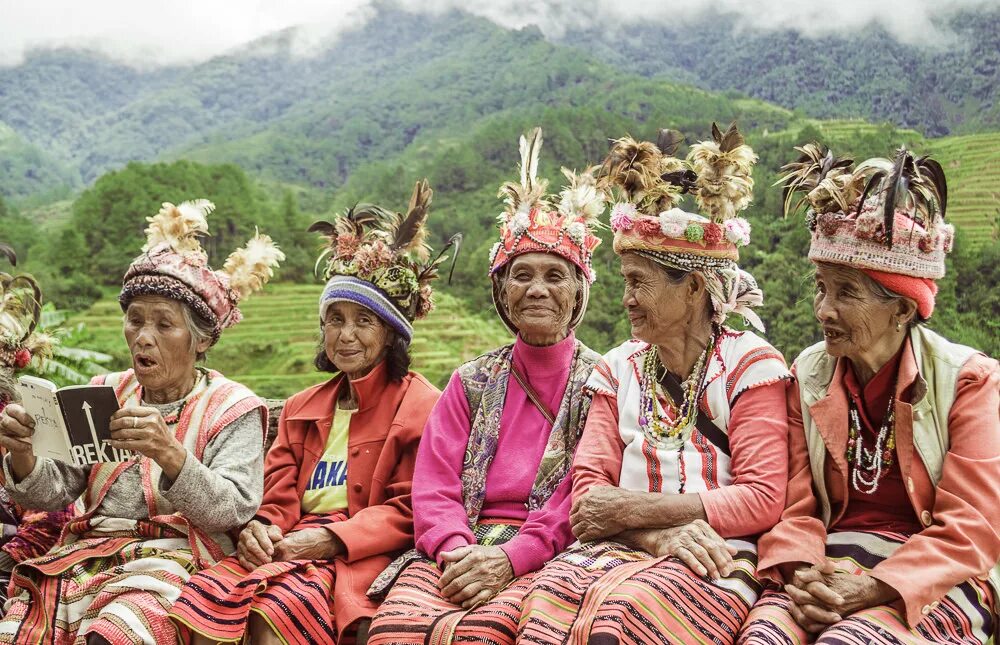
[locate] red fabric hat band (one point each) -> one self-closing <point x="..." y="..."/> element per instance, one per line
<point x="921" y="290"/>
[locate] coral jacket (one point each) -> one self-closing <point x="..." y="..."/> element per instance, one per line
<point x="382" y="446"/>
<point x="961" y="516"/>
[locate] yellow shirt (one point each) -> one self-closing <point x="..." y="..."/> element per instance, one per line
<point x="327" y="489"/>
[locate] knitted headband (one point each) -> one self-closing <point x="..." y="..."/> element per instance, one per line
<point x="380" y="260"/>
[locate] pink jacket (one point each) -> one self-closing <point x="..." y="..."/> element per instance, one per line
<point x="961" y="516"/>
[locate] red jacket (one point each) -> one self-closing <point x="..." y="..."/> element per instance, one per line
<point x="382" y="446"/>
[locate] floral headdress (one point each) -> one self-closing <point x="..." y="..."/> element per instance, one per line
<point x="174" y="265"/>
<point x="648" y="181"/>
<point x="884" y="215"/>
<point x="380" y="259"/>
<point x="20" y="311"/>
<point x="533" y="221"/>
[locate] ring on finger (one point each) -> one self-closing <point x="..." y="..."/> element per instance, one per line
<point x="135" y="422"/>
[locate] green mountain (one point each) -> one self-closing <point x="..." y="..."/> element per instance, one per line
<point x="935" y="87"/>
<point x="313" y="121"/>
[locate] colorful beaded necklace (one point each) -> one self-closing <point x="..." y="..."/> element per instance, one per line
<point x="870" y="465"/>
<point x="659" y="428"/>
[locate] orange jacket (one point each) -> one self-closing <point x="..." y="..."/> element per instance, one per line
<point x="382" y="446"/>
<point x="961" y="516"/>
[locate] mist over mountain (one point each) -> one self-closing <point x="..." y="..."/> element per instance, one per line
<point x="366" y="93"/>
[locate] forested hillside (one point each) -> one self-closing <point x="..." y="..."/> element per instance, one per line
<point x="939" y="86"/>
<point x="89" y="148"/>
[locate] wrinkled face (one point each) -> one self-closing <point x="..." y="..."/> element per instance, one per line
<point x="355" y="339"/>
<point x="854" y="320"/>
<point x="657" y="308"/>
<point x="540" y="292"/>
<point x="160" y="342"/>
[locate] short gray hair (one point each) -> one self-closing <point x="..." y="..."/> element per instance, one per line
<point x="200" y="329"/>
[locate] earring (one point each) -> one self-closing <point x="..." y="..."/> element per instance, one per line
<point x="899" y="326"/>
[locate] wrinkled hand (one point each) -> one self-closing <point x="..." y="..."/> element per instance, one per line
<point x="474" y="574"/>
<point x="16" y="429"/>
<point x="697" y="545"/>
<point x="308" y="544"/>
<point x="256" y="544"/>
<point x="143" y="430"/>
<point x="601" y="512"/>
<point x="822" y="596"/>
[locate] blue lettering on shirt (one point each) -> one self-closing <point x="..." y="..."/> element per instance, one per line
<point x="328" y="473"/>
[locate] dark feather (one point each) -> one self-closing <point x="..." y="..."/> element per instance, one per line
<point x="683" y="179"/>
<point x="875" y="179"/>
<point x="8" y="252"/>
<point x="716" y="133"/>
<point x="411" y="232"/>
<point x="668" y="141"/>
<point x="323" y="228"/>
<point x="934" y="173"/>
<point x="898" y="186"/>
<point x="732" y="139"/>
<point x="430" y="271"/>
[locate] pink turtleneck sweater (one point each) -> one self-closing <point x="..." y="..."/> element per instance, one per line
<point x="439" y="520"/>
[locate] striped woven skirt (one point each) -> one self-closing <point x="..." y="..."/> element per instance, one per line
<point x="294" y="598"/>
<point x="415" y="612"/>
<point x="964" y="615"/>
<point x="116" y="587"/>
<point x="606" y="593"/>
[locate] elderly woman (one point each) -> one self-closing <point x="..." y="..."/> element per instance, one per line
<point x="890" y="531"/>
<point x="491" y="492"/>
<point x="337" y="503"/>
<point x="26" y="534"/>
<point x="155" y="519"/>
<point x="682" y="461"/>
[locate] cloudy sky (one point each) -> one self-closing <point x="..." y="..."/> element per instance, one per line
<point x="172" y="31"/>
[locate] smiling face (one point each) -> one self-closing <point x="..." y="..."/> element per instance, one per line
<point x="355" y="339"/>
<point x="856" y="322"/>
<point x="657" y="306"/>
<point x="163" y="354"/>
<point x="540" y="294"/>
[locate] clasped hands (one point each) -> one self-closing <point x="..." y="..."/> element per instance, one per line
<point x="822" y="596"/>
<point x="606" y="512"/>
<point x="260" y="544"/>
<point x="473" y="574"/>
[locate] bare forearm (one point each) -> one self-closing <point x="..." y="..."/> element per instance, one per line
<point x="665" y="510"/>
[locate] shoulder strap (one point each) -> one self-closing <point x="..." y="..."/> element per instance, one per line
<point x="703" y="423"/>
<point x="532" y="394"/>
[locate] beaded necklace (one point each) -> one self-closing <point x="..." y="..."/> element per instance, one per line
<point x="870" y="465"/>
<point x="656" y="424"/>
<point x="661" y="431"/>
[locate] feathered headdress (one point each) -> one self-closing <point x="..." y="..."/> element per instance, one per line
<point x="724" y="186"/>
<point x="648" y="181"/>
<point x="174" y="265"/>
<point x="533" y="221"/>
<point x="883" y="215"/>
<point x="20" y="343"/>
<point x="388" y="251"/>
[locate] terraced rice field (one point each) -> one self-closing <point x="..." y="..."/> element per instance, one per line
<point x="972" y="164"/>
<point x="272" y="350"/>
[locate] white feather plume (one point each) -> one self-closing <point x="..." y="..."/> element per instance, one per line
<point x="179" y="226"/>
<point x="250" y="267"/>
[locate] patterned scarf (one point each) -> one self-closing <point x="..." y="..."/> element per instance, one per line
<point x="485" y="382"/>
